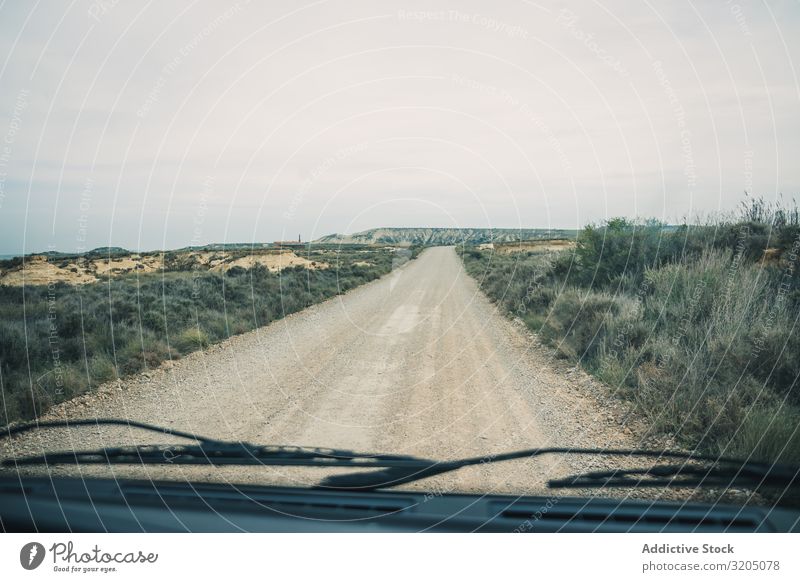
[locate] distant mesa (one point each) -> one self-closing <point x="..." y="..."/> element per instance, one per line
<point x="94" y="253"/>
<point x="445" y="236"/>
<point x="106" y="251"/>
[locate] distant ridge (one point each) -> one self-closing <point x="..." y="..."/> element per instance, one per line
<point x="378" y="236"/>
<point x="98" y="252"/>
<point x="444" y="236"/>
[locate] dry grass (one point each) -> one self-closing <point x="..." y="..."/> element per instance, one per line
<point x="533" y="246"/>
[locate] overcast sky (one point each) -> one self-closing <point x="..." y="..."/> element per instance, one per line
<point x="162" y="124"/>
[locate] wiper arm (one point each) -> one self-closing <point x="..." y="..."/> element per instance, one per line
<point x="29" y="426"/>
<point x="715" y="471"/>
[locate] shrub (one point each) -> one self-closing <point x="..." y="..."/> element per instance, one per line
<point x="190" y="340"/>
<point x="770" y="434"/>
<point x="622" y="247"/>
<point x="578" y="322"/>
<point x="101" y="369"/>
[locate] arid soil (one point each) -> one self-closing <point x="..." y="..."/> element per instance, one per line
<point x="418" y="362"/>
<point x="275" y="261"/>
<point x="38" y="270"/>
<point x="534" y="246"/>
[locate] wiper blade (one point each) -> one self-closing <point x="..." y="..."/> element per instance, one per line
<point x="752" y="475"/>
<point x="220" y="453"/>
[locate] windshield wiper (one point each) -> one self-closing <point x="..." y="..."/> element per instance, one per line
<point x="695" y="470"/>
<point x="206" y="452"/>
<point x="232" y="453"/>
<point x="723" y="475"/>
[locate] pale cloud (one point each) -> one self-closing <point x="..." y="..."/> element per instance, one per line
<point x="332" y="116"/>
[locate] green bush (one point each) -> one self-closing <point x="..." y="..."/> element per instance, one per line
<point x="101" y="369"/>
<point x="190" y="340"/>
<point x="768" y="435"/>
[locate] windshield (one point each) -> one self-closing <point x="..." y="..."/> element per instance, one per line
<point x="420" y="361"/>
<point x="434" y="259"/>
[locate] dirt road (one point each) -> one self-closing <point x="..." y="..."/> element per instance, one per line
<point x="419" y="362"/>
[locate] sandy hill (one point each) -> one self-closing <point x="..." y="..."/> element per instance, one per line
<point x="45" y="269"/>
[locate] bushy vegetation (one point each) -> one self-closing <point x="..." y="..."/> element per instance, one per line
<point x="57" y="341"/>
<point x="696" y="325"/>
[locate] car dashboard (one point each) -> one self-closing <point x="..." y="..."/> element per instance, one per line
<point x="42" y="504"/>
